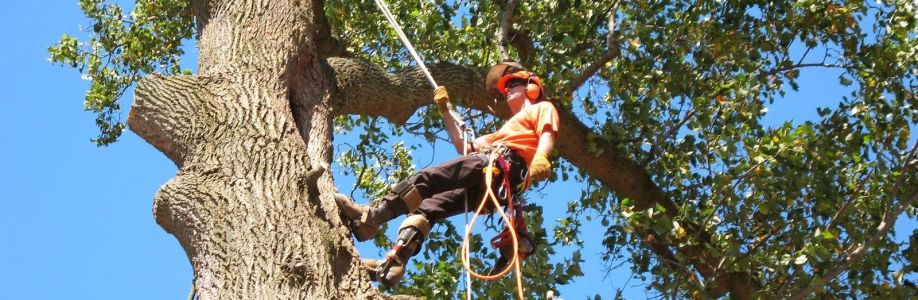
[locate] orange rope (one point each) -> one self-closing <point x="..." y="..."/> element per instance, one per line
<point x="489" y="196"/>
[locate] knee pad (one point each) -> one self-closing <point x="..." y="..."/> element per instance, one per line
<point x="407" y="193"/>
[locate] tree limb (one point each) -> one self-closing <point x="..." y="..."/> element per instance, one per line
<point x="503" y="31"/>
<point x="613" y="51"/>
<point x="326" y="42"/>
<point x="798" y="66"/>
<point x="844" y="208"/>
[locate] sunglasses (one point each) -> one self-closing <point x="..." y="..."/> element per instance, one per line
<point x="515" y="83"/>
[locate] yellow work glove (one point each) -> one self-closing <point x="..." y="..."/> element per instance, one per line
<point x="540" y="168"/>
<point x="441" y="97"/>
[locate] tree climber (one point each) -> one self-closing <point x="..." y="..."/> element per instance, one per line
<point x="442" y="191"/>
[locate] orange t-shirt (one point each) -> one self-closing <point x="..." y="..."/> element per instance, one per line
<point x="521" y="133"/>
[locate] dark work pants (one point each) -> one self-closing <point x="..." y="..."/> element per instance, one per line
<point x="446" y="187"/>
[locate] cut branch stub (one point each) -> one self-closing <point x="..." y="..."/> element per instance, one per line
<point x="172" y="132"/>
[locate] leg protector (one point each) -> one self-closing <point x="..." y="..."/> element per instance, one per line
<point x="407" y="193"/>
<point x="402" y="199"/>
<point x="411" y="235"/>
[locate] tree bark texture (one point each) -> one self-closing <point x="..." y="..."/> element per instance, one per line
<point x="251" y="202"/>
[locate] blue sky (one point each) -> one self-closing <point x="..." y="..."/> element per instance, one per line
<point x="76" y="220"/>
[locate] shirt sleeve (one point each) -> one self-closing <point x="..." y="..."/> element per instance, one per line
<point x="547" y="118"/>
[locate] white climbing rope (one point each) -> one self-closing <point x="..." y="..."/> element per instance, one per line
<point x="466" y="132"/>
<point x="401" y="35"/>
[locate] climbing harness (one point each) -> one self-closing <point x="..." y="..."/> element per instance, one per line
<point x="509" y="241"/>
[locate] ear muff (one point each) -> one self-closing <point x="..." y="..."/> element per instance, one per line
<point x="533" y="88"/>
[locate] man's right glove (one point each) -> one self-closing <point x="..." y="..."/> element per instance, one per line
<point x="441" y="97"/>
<point x="540" y="168"/>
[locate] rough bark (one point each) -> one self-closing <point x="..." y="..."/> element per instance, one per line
<point x="251" y="204"/>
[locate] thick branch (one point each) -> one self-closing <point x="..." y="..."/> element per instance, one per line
<point x="522" y="41"/>
<point x="366" y="89"/>
<point x="326" y="43"/>
<point x="507" y="35"/>
<point x="504" y="29"/>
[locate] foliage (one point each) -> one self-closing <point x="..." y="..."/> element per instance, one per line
<point x="685" y="99"/>
<point x="123" y="49"/>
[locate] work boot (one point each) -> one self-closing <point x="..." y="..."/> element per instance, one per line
<point x="389" y="271"/>
<point x="390" y="278"/>
<point x="365" y="220"/>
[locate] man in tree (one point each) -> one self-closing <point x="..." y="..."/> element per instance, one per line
<point x="440" y="191"/>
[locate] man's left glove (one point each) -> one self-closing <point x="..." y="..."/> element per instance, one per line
<point x="540" y="168"/>
<point x="441" y="97"/>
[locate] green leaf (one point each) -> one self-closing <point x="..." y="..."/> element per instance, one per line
<point x="627" y="202"/>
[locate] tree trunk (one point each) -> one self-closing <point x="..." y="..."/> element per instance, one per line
<point x="251" y="204"/>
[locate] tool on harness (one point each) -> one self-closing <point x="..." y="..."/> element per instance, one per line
<point x="503" y="243"/>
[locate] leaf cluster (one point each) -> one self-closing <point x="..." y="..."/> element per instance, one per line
<point x="121" y="49"/>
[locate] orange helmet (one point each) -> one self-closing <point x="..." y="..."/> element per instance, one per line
<point x="533" y="84"/>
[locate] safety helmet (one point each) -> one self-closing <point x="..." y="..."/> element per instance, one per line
<point x="533" y="84"/>
<point x="498" y="71"/>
